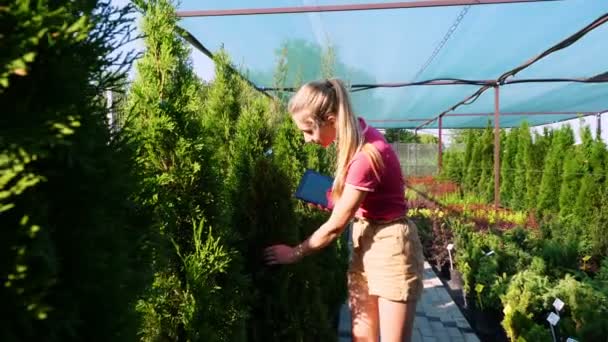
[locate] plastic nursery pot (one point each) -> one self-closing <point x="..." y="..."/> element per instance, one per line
<point x="455" y="282"/>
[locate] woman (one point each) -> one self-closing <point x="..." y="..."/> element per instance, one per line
<point x="385" y="273"/>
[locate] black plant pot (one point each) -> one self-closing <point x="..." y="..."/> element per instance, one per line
<point x="455" y="282"/>
<point x="444" y="272"/>
<point x="483" y="322"/>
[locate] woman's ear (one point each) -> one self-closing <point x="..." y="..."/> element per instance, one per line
<point x="330" y="119"/>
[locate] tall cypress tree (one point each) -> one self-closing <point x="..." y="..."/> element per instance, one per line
<point x="570" y="186"/>
<point x="589" y="200"/>
<point x="535" y="160"/>
<point x="475" y="144"/>
<point x="520" y="185"/>
<point x="74" y="247"/>
<point x="552" y="171"/>
<point x="485" y="186"/>
<point x="507" y="165"/>
<point x="198" y="292"/>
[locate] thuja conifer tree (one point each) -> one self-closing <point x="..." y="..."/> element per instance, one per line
<point x="534" y="166"/>
<point x="570" y="186"/>
<point x="589" y="201"/>
<point x="520" y="184"/>
<point x="469" y="139"/>
<point x="552" y="171"/>
<point x="264" y="163"/>
<point x="222" y="108"/>
<point x="507" y="160"/>
<point x="198" y="288"/>
<point x="591" y="173"/>
<point x="317" y="305"/>
<point x="72" y="244"/>
<point x="453" y="166"/>
<point x="264" y="214"/>
<point x="485" y="186"/>
<point x="474" y="144"/>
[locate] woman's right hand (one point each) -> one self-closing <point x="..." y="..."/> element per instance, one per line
<point x="317" y="206"/>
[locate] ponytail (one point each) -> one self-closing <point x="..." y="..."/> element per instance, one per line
<point x="350" y="140"/>
<point x="322" y="98"/>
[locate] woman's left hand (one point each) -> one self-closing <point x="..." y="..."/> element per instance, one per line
<point x="280" y="254"/>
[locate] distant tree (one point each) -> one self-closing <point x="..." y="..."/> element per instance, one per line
<point x="548" y="201"/>
<point x="401" y="135"/>
<point x="520" y="184"/>
<point x="507" y="160"/>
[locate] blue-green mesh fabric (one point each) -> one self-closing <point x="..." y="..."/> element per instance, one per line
<point x="401" y="45"/>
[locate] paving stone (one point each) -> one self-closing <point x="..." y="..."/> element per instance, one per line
<point x="454" y="332"/>
<point x="470" y="337"/>
<point x="442" y="335"/>
<point x="438" y="318"/>
<point x="457" y="338"/>
<point x="423" y="324"/>
<point x="416" y="336"/>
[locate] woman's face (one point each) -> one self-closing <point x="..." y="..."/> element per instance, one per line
<point x="322" y="134"/>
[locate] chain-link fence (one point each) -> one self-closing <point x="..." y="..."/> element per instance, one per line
<point x="419" y="159"/>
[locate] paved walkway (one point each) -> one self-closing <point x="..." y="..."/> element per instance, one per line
<point x="438" y="318"/>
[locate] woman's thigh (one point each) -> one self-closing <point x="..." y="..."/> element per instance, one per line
<point x="396" y="320"/>
<point x="364" y="309"/>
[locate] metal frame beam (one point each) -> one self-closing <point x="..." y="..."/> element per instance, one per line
<point x="440" y="147"/>
<point x="503" y="79"/>
<point x="348" y="7"/>
<point x="601" y="78"/>
<point x="490" y="114"/>
<point x="496" y="147"/>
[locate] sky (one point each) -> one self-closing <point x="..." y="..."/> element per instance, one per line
<point x="259" y="34"/>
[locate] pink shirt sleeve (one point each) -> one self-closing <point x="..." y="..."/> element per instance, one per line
<point x="361" y="174"/>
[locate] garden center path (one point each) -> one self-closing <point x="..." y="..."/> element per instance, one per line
<point x="438" y="318"/>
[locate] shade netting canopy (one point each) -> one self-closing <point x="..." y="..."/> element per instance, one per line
<point x="381" y="52"/>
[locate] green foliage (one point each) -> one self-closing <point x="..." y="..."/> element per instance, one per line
<point x="265" y="159"/>
<point x="534" y="163"/>
<point x="485" y="186"/>
<point x="221" y="109"/>
<point x="570" y="182"/>
<point x="453" y="166"/>
<point x="552" y="172"/>
<point x="520" y="185"/>
<point x="523" y="305"/>
<point x="507" y="166"/>
<point x="473" y="163"/>
<point x="74" y="250"/>
<point x="586" y="310"/>
<point x="182" y="187"/>
<point x="401" y="135"/>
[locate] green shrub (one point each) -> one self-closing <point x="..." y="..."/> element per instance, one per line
<point x="585" y="314"/>
<point x="74" y="247"/>
<point x="523" y="305"/>
<point x="200" y="289"/>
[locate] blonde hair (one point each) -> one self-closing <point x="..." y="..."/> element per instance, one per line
<point x="322" y="98"/>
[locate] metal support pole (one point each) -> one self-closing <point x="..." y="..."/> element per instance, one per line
<point x="347" y="7"/>
<point x="496" y="147"/>
<point x="110" y="105"/>
<point x="440" y="147"/>
<point x="599" y="126"/>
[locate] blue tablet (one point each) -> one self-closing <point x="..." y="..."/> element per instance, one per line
<point x="313" y="188"/>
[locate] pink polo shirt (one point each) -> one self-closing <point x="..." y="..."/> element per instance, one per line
<point x="386" y="198"/>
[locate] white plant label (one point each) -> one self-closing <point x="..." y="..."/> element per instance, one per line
<point x="553" y="319"/>
<point x="570" y="339"/>
<point x="490" y="253"/>
<point x="558" y="304"/>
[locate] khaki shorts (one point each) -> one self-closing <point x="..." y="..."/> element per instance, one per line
<point x="387" y="259"/>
